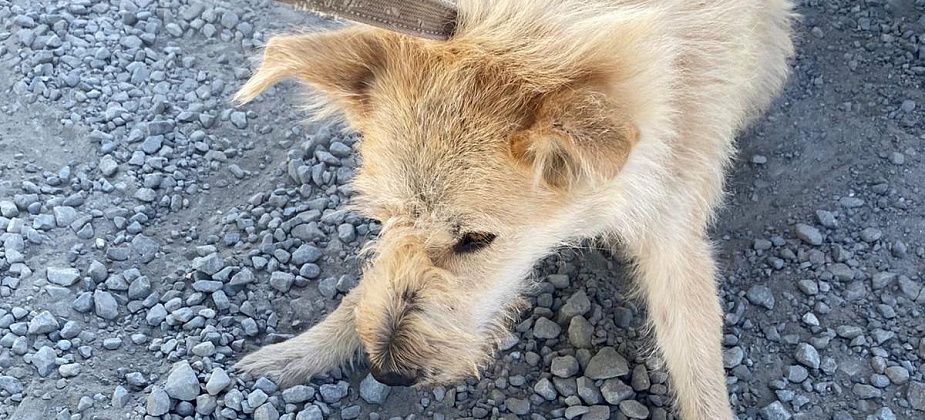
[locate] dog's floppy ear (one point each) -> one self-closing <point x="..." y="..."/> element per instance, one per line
<point x="575" y="137"/>
<point x="339" y="64"/>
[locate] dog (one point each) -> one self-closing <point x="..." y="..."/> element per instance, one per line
<point x="536" y="126"/>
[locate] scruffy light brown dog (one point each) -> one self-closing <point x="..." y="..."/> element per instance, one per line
<point x="537" y="125"/>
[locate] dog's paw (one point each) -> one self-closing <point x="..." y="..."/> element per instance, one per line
<point x="284" y="363"/>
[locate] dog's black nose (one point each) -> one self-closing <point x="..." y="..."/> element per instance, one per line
<point x="391" y="378"/>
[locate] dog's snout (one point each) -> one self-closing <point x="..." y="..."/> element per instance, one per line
<point x="394" y="378"/>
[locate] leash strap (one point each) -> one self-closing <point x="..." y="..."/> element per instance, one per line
<point x="433" y="19"/>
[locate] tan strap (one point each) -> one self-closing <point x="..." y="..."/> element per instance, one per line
<point x="434" y="19"/>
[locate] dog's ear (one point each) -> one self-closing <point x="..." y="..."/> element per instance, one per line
<point x="574" y="137"/>
<point x="340" y="65"/>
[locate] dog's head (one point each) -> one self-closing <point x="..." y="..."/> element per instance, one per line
<point x="479" y="155"/>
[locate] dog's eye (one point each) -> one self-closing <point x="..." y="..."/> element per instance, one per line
<point x="473" y="241"/>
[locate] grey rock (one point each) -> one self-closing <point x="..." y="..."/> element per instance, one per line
<point x="351" y="412"/>
<point x="614" y="391"/>
<point x="762" y="245"/>
<point x="210" y="264"/>
<point x="131" y="42"/>
<point x="851" y="202"/>
<point x="606" y="364"/>
<point x="140" y="288"/>
<point x="311" y="412"/>
<point x="207" y="286"/>
<point x="156" y="315"/>
<point x="597" y="412"/>
<point x="761" y="295"/>
<point x="559" y="281"/>
<point x="83" y="303"/>
<point x="158" y="402"/>
<point x="136" y="379"/>
<point x="575" y="411"/>
<point x="882" y="279"/>
<point x="546" y="329"/>
<point x="44" y="222"/>
<point x="249" y="326"/>
<point x="69" y="370"/>
<point x="206" y="404"/>
<point x="306" y="254"/>
<point x="243" y="277"/>
<point x="545" y="389"/>
<point x="808" y="234"/>
<point x="871" y="235"/>
<point x="775" y="411"/>
<point x="733" y="357"/>
<point x="897" y="374"/>
<point x="281" y="281"/>
<point x="108" y="166"/>
<point x="564" y="366"/>
<point x="257" y="397"/>
<point x="105" y="305"/>
<point x="916" y="395"/>
<point x="97" y="271"/>
<point x="204" y="349"/>
<point x="239" y="119"/>
<point x="146" y="195"/>
<point x="842" y="272"/>
<point x="218" y="381"/>
<point x="640" y="381"/>
<point x="8" y="209"/>
<point x="11" y="385"/>
<point x="634" y="409"/>
<point x="372" y="391"/>
<point x="152" y="144"/>
<point x="808" y="287"/>
<point x="866" y="392"/>
<point x="332" y="393"/>
<point x="588" y="392"/>
<point x="849" y="331"/>
<point x="577" y="304"/>
<point x="64" y="215"/>
<point x="144" y="249"/>
<point x="807" y="355"/>
<point x="517" y="406"/>
<point x="62" y="276"/>
<point x="112" y="343"/>
<point x="266" y="385"/>
<point x="796" y="373"/>
<point x="182" y="383"/>
<point x="120" y="397"/>
<point x="346" y="233"/>
<point x="298" y="394"/>
<point x="911" y="289"/>
<point x="44" y="361"/>
<point x="826" y="218"/>
<point x="43" y="323"/>
<point x="266" y="412"/>
<point x="580" y="332"/>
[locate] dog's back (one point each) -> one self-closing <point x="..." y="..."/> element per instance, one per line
<point x="743" y="44"/>
<point x="740" y="44"/>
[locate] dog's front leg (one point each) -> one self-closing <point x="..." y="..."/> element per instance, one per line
<point x="677" y="279"/>
<point x="329" y="344"/>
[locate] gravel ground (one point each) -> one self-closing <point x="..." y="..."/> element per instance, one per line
<point x="152" y="234"/>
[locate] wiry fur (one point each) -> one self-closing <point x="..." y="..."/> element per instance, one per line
<point x="541" y="123"/>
